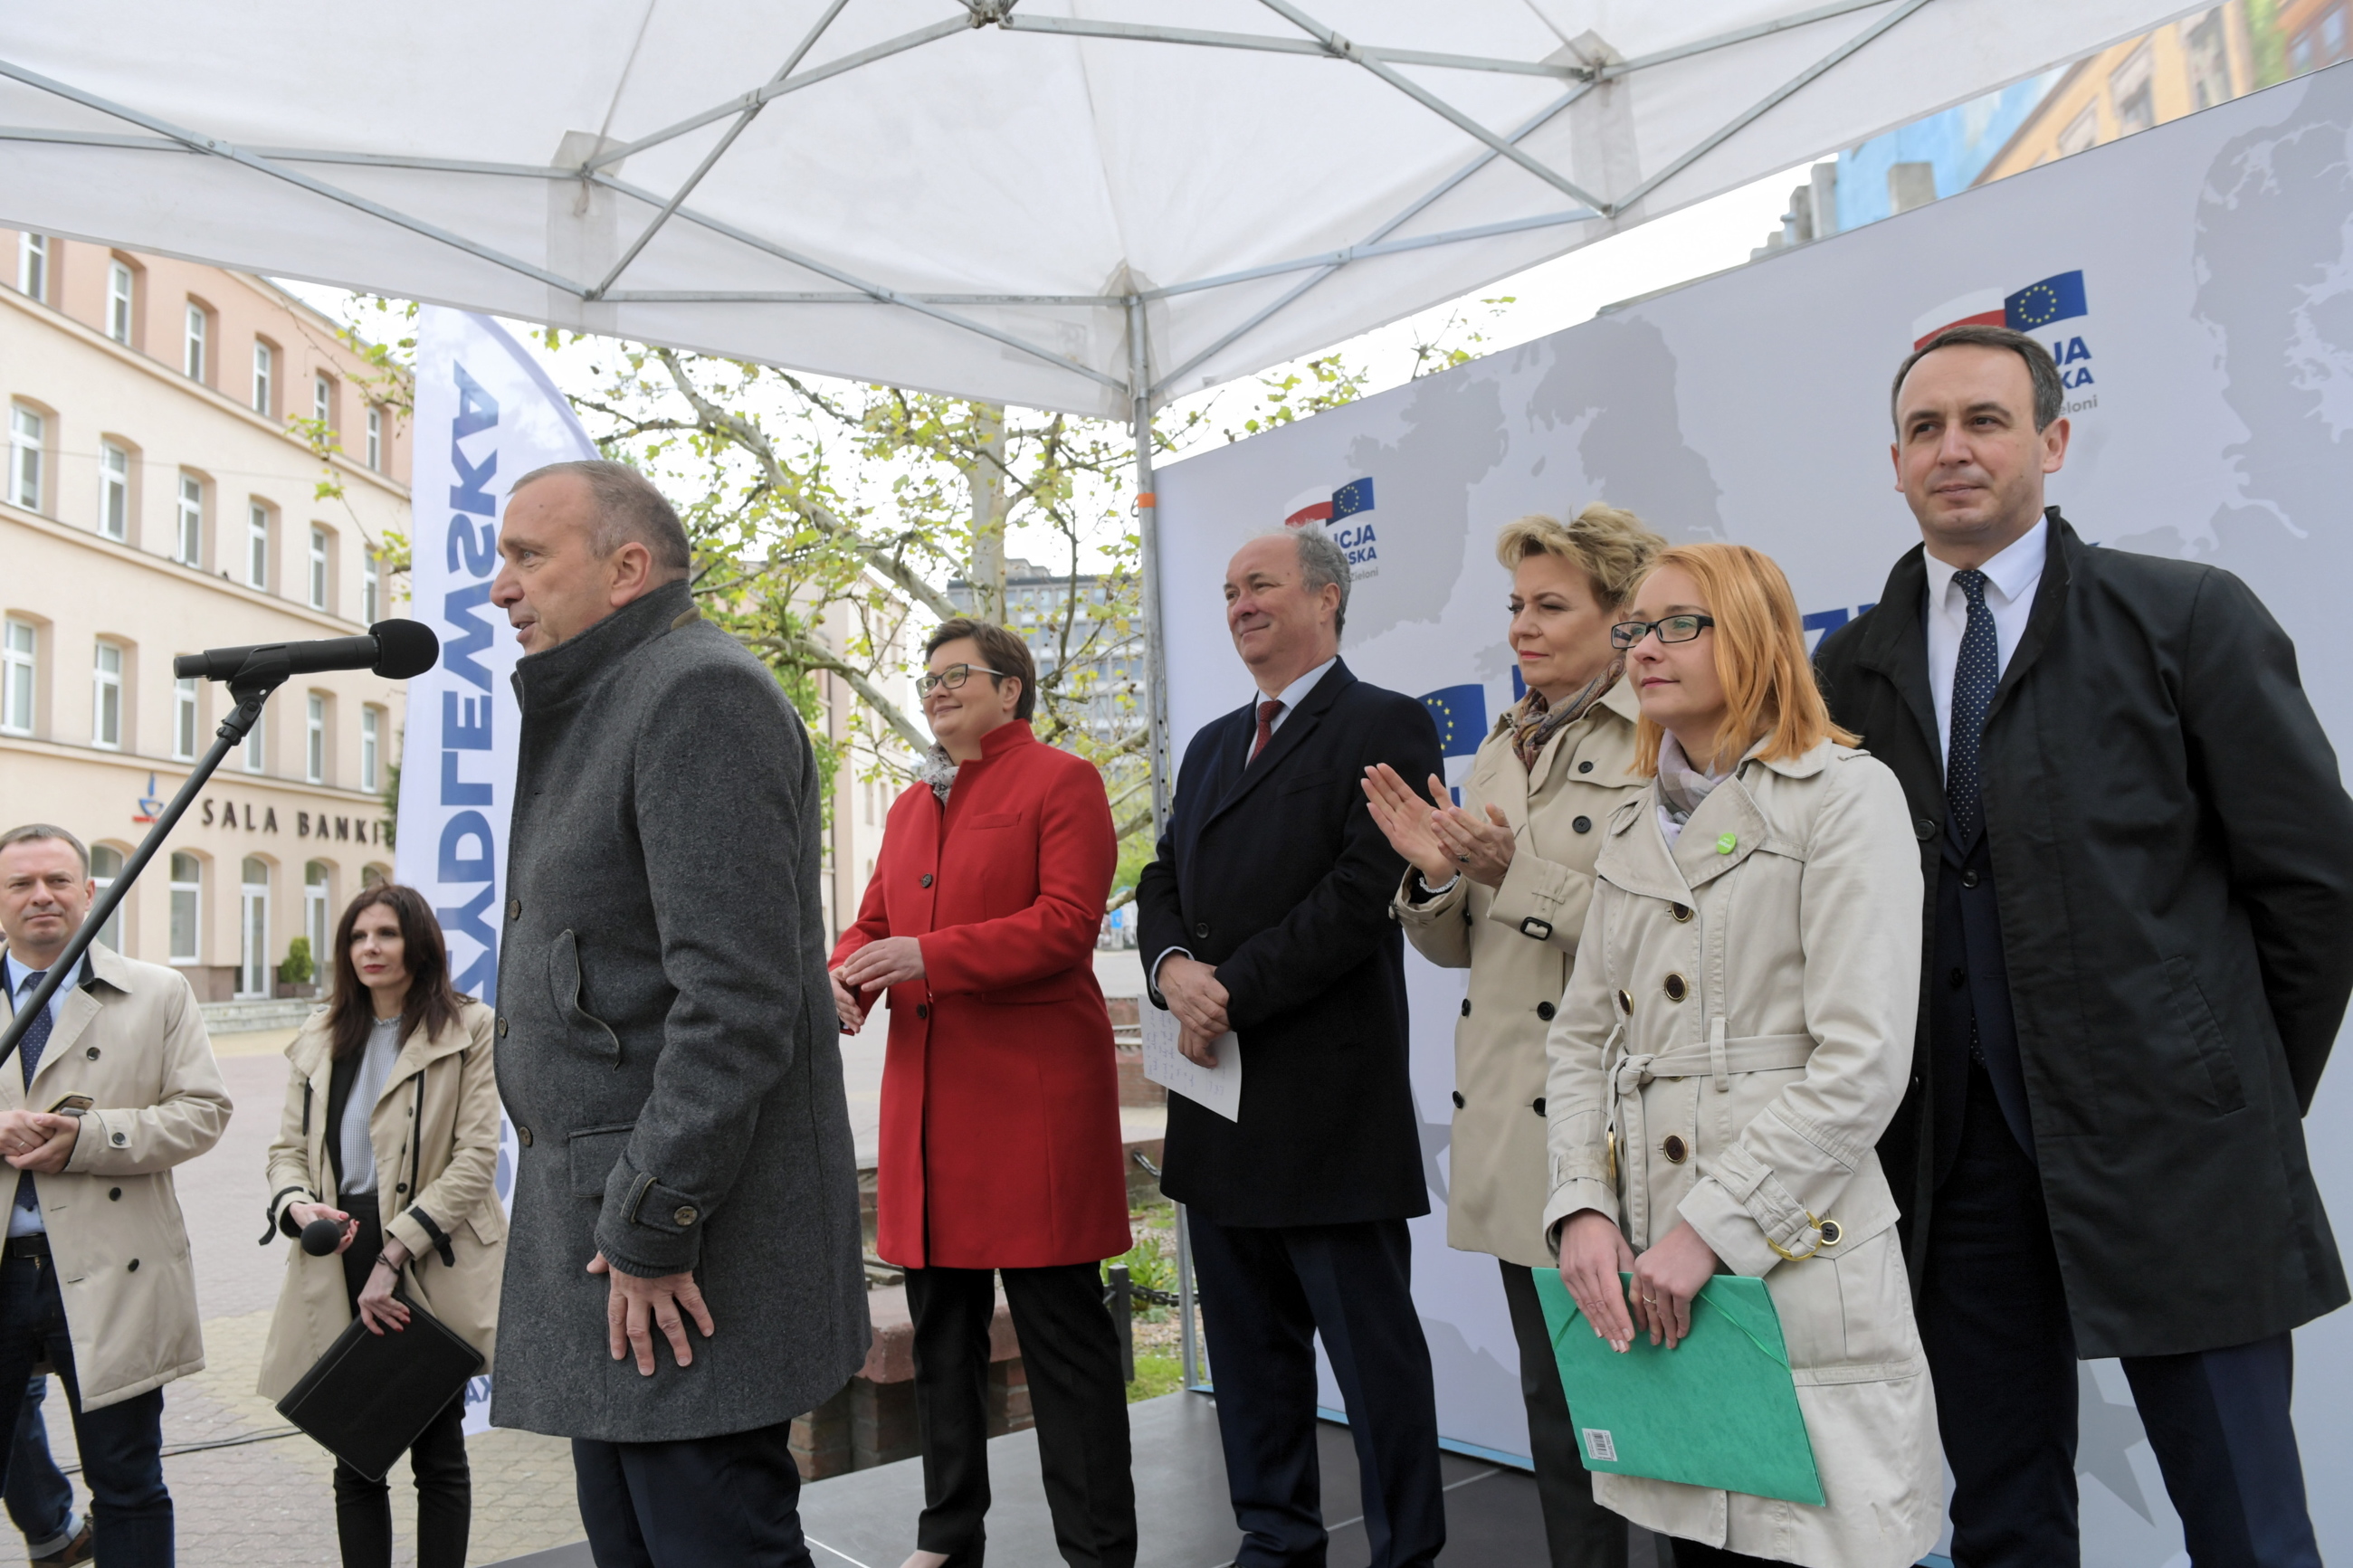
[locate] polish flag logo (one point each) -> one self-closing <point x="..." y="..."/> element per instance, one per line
<point x="1980" y="308"/>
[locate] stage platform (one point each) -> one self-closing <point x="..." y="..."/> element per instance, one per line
<point x="868" y="1520"/>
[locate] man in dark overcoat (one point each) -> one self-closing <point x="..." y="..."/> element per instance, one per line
<point x="2139" y="864"/>
<point x="668" y="1047"/>
<point x="1266" y="913"/>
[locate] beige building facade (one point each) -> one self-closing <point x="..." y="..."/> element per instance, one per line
<point x="2205" y="59"/>
<point x="195" y="461"/>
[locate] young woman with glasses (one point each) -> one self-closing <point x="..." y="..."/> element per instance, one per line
<point x="391" y="1131"/>
<point x="1737" y="1035"/>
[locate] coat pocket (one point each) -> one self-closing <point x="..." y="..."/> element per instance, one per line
<point x="1319" y="779"/>
<point x="584" y="1031"/>
<point x="592" y="1153"/>
<point x="2197" y="1020"/>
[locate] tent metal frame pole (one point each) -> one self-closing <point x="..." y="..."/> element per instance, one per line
<point x="1146" y="32"/>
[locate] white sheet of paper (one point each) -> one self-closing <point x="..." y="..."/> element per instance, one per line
<point x="1218" y="1089"/>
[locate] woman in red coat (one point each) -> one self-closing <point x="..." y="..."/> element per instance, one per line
<point x="1000" y="1097"/>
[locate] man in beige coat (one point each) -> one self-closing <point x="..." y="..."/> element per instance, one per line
<point x="112" y="1089"/>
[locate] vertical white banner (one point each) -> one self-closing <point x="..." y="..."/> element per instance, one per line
<point x="486" y="414"/>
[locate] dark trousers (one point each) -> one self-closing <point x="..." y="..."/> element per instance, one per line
<point x="40" y="1499"/>
<point x="2003" y="1350"/>
<point x="694" y="1503"/>
<point x="1069" y="1353"/>
<point x="1266" y="1293"/>
<point x="1578" y="1531"/>
<point x="445" y="1485"/>
<point x="121" y="1446"/>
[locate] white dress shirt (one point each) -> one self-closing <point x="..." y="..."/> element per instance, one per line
<point x="23" y="1222"/>
<point x="2011" y="578"/>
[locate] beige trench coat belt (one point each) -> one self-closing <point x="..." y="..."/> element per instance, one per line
<point x="1626" y="1073"/>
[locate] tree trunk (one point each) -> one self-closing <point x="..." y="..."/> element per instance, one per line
<point x="988" y="477"/>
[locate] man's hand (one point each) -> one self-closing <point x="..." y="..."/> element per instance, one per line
<point x="1666" y="1278"/>
<point x="845" y="1003"/>
<point x="1194" y="996"/>
<point x="637" y="1307"/>
<point x="1593" y="1253"/>
<point x="38" y="1139"/>
<point x="1199" y="1049"/>
<point x="890" y="961"/>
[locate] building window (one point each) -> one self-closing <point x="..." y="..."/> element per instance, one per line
<point x="323" y="403"/>
<point x="106" y="697"/>
<point x="371" y="744"/>
<point x="371" y="588"/>
<point x="105" y="865"/>
<point x="318" y="567"/>
<point x="315" y="916"/>
<point x="2081" y="132"/>
<point x="113" y="491"/>
<point x="189" y="544"/>
<point x="184" y="720"/>
<point x="2132" y="90"/>
<point x="118" y="301"/>
<point x="253" y="929"/>
<point x="2300" y="57"/>
<point x="252" y="758"/>
<point x="188" y="897"/>
<point x="33" y="266"/>
<point x="18" y="640"/>
<point x="2332" y="33"/>
<point x="257" y="546"/>
<point x="265" y="378"/>
<point x="315" y="739"/>
<point x="376" y="439"/>
<point x="26" y="431"/>
<point x="2209" y="60"/>
<point x="192" y="358"/>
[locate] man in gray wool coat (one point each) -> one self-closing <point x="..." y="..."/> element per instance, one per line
<point x="668" y="1047"/>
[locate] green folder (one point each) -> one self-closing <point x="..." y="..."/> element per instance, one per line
<point x="1718" y="1410"/>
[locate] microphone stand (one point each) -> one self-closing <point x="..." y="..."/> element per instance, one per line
<point x="264" y="671"/>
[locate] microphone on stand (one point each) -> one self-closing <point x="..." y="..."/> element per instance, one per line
<point x="393" y="650"/>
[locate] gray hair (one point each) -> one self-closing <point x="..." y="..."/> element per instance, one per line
<point x="1321" y="561"/>
<point x="628" y="508"/>
<point x="32" y="831"/>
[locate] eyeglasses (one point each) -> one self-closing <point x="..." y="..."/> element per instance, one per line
<point x="952" y="677"/>
<point x="1673" y="628"/>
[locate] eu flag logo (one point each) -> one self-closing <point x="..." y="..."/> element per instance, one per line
<point x="1460" y="715"/>
<point x="2055" y="298"/>
<point x="1352" y="497"/>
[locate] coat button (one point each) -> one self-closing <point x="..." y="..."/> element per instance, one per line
<point x="1466" y="1007"/>
<point x="1959" y="978"/>
<point x="1675" y="1149"/>
<point x="120" y="1140"/>
<point x="133" y="1266"/>
<point x="1458" y="1099"/>
<point x="1924" y="828"/>
<point x="1545" y="1010"/>
<point x="502" y="1027"/>
<point x="90" y="1054"/>
<point x="684" y="1214"/>
<point x="1582" y="824"/>
<point x="1625" y="1004"/>
<point x="1583" y="767"/>
<point x="1968" y="878"/>
<point x="1538" y="1105"/>
<point x="1677" y="988"/>
<point x="923" y="1010"/>
<point x="1201" y="932"/>
<point x="114" y="1194"/>
<point x="523" y="1135"/>
<point x="402" y="1188"/>
<point x="926" y="879"/>
<point x="514" y="908"/>
<point x="1680" y="911"/>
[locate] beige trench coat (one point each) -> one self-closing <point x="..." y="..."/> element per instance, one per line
<point x="133" y="1040"/>
<point x="1740" y="1024"/>
<point x="443" y="1092"/>
<point x="1518" y="942"/>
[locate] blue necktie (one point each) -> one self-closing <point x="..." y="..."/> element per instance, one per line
<point x="36" y="1040"/>
<point x="1974" y="680"/>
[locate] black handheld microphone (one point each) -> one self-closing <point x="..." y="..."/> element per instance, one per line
<point x="393" y="650"/>
<point x="320" y="1237"/>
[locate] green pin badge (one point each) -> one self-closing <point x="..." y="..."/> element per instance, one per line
<point x="1727" y="842"/>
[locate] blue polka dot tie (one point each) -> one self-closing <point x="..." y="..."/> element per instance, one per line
<point x="29" y="1050"/>
<point x="1974" y="680"/>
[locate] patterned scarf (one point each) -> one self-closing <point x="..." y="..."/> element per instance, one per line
<point x="938" y="770"/>
<point x="1532" y="722"/>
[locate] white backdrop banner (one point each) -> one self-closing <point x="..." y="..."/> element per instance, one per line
<point x="486" y="416"/>
<point x="2195" y="283"/>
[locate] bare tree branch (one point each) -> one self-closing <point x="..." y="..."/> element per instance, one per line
<point x="814" y="656"/>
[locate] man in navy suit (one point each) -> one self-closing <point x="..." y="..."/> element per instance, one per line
<point x="1266" y="913"/>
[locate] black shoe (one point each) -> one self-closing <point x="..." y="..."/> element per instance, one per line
<point x="78" y="1549"/>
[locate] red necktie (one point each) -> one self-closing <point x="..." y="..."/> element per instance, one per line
<point x="1266" y="713"/>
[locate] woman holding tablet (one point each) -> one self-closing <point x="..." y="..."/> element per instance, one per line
<point x="1737" y="1035"/>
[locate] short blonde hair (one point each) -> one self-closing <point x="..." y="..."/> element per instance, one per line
<point x="1611" y="545"/>
<point x="1760" y="658"/>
